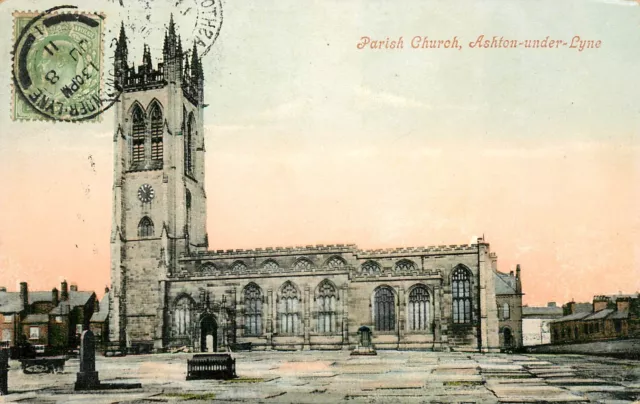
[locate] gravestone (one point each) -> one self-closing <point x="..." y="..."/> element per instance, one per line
<point x="4" y="372"/>
<point x="364" y="346"/>
<point x="87" y="377"/>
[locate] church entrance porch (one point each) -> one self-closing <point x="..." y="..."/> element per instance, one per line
<point x="208" y="334"/>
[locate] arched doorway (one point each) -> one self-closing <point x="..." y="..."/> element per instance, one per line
<point x="507" y="337"/>
<point x="208" y="334"/>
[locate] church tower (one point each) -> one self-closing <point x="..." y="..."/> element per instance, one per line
<point x="159" y="202"/>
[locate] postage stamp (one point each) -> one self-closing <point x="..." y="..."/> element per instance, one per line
<point x="57" y="66"/>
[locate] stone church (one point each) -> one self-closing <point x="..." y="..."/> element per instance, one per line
<point x="170" y="290"/>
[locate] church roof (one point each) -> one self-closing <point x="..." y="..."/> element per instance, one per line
<point x="101" y="315"/>
<point x="505" y="284"/>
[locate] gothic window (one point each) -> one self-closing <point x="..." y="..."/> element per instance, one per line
<point x="145" y="227"/>
<point x="506" y="311"/>
<point x="419" y="309"/>
<point x="252" y="310"/>
<point x="326" y="300"/>
<point x="303" y="264"/>
<point x="156" y="133"/>
<point x="370" y="267"/>
<point x="238" y="266"/>
<point x="270" y="265"/>
<point x="461" y="291"/>
<point x="182" y="316"/>
<point x="208" y="268"/>
<point x="405" y="265"/>
<point x="139" y="128"/>
<point x="384" y="310"/>
<point x="288" y="309"/>
<point x="335" y="262"/>
<point x="188" y="145"/>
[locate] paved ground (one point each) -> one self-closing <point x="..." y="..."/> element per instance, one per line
<point x="329" y="377"/>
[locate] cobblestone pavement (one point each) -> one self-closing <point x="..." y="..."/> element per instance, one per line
<point x="328" y="377"/>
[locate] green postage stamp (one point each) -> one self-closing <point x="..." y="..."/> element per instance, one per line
<point x="57" y="66"/>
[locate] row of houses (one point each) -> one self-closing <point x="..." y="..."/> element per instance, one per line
<point x="50" y="319"/>
<point x="608" y="317"/>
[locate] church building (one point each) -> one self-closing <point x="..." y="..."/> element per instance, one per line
<point x="169" y="290"/>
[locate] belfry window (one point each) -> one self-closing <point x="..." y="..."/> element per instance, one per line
<point x="326" y="303"/>
<point x="188" y="145"/>
<point x="145" y="227"/>
<point x="252" y="310"/>
<point x="461" y="291"/>
<point x="138" y="132"/>
<point x="156" y="133"/>
<point x="288" y="309"/>
<point x="419" y="309"/>
<point x="384" y="309"/>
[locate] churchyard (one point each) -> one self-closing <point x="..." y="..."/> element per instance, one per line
<point x="336" y="376"/>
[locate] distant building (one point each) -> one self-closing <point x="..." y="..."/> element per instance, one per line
<point x="536" y="328"/>
<point x="509" y="305"/>
<point x="99" y="323"/>
<point x="610" y="317"/>
<point x="52" y="319"/>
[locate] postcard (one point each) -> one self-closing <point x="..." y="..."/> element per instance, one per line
<point x="312" y="202"/>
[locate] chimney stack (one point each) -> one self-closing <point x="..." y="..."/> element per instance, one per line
<point x="24" y="295"/>
<point x="518" y="280"/>
<point x="73" y="287"/>
<point x="55" y="297"/>
<point x="64" y="291"/>
<point x="3" y="289"/>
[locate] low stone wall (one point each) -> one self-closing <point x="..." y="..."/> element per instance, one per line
<point x="627" y="348"/>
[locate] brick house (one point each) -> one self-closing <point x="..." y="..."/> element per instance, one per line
<point x="45" y="319"/>
<point x="611" y="317"/>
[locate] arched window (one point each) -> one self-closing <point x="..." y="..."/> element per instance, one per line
<point x="270" y="265"/>
<point x="145" y="227"/>
<point x="405" y="265"/>
<point x="370" y="267"/>
<point x="138" y="132"/>
<point x="208" y="268"/>
<point x="419" y="309"/>
<point x="252" y="310"/>
<point x="302" y="265"/>
<point x="288" y="309"/>
<point x="182" y="316"/>
<point x="461" y="290"/>
<point x="188" y="145"/>
<point x="238" y="266"/>
<point x="335" y="262"/>
<point x="156" y="133"/>
<point x="384" y="309"/>
<point x="326" y="297"/>
<point x="506" y="311"/>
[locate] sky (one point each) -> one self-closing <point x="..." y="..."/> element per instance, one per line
<point x="311" y="140"/>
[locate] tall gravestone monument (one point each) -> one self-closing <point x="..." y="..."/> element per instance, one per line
<point x="87" y="377"/>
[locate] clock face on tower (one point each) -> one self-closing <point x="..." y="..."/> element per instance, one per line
<point x="146" y="193"/>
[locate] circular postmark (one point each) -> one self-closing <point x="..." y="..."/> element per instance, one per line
<point x="197" y="21"/>
<point x="57" y="68"/>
